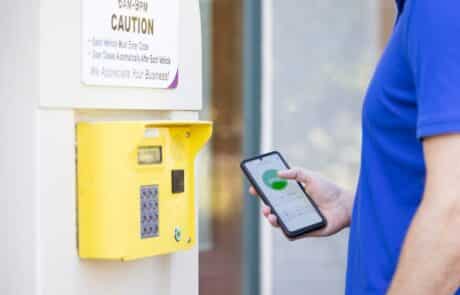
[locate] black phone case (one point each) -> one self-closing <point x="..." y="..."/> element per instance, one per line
<point x="289" y="234"/>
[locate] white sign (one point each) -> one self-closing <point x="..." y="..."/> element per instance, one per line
<point x="130" y="43"/>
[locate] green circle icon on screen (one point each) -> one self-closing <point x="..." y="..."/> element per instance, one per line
<point x="272" y="180"/>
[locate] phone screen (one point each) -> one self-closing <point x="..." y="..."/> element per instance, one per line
<point x="285" y="196"/>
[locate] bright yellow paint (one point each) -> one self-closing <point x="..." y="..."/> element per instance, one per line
<point x="109" y="181"/>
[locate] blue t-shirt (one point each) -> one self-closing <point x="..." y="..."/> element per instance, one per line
<point x="415" y="93"/>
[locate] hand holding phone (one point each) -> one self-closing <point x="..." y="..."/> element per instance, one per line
<point x="296" y="212"/>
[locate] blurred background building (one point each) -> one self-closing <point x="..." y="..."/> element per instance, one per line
<point x="287" y="75"/>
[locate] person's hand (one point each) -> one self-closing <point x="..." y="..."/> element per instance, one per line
<point x="335" y="203"/>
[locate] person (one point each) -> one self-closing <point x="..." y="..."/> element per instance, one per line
<point x="405" y="214"/>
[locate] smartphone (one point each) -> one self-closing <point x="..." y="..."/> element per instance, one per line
<point x="296" y="212"/>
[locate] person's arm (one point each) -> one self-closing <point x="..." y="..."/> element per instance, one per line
<point x="430" y="259"/>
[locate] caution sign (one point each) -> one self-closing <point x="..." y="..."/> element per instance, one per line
<point x="130" y="43"/>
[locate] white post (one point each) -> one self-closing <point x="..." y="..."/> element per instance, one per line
<point x="42" y="97"/>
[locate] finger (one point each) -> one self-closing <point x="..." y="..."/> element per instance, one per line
<point x="252" y="191"/>
<point x="295" y="174"/>
<point x="266" y="211"/>
<point x="273" y="220"/>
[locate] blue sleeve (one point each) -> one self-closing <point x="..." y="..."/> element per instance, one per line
<point x="433" y="44"/>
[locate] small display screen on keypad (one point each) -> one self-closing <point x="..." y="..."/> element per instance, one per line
<point x="149" y="155"/>
<point x="149" y="211"/>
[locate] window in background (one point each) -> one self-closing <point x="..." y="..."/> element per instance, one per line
<point x="323" y="55"/>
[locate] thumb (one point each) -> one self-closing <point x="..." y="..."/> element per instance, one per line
<point x="294" y="174"/>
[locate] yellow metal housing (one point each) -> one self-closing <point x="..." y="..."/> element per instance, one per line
<point x="117" y="163"/>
